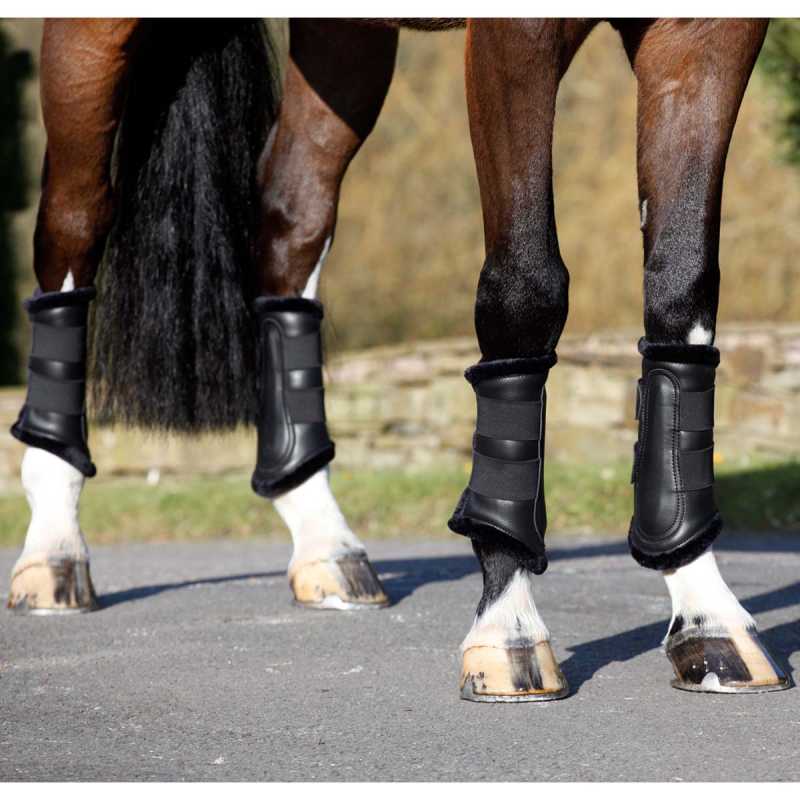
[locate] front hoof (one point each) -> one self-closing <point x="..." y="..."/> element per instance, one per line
<point x="347" y="583"/>
<point x="58" y="586"/>
<point x="512" y="675"/>
<point x="723" y="661"/>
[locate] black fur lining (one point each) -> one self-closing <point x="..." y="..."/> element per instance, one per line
<point x="684" y="554"/>
<point x="72" y="455"/>
<point x="261" y="305"/>
<point x="680" y="353"/>
<point x="510" y="366"/>
<point x="273" y="488"/>
<point x="484" y="533"/>
<point x="76" y="297"/>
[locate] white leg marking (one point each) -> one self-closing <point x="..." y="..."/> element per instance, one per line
<point x="69" y="283"/>
<point x="318" y="527"/>
<point x="698" y="590"/>
<point x="53" y="489"/>
<point x="643" y="215"/>
<point x="511" y="619"/>
<point x="700" y="335"/>
<point x="312" y="286"/>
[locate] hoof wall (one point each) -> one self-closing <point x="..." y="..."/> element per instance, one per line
<point x="723" y="662"/>
<point x="52" y="587"/>
<point x="512" y="675"/>
<point x="349" y="583"/>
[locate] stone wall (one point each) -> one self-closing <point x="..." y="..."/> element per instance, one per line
<point x="409" y="406"/>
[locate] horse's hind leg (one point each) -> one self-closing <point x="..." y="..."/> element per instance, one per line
<point x="337" y="79"/>
<point x="691" y="75"/>
<point x="83" y="69"/>
<point x="513" y="73"/>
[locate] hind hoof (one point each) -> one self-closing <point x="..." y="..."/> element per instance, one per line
<point x="512" y="675"/>
<point x="723" y="661"/>
<point x="62" y="586"/>
<point x="348" y="583"/>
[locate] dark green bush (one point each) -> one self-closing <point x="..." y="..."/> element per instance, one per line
<point x="15" y="68"/>
<point x="780" y="61"/>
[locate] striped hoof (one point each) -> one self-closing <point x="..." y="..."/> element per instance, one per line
<point x="62" y="586"/>
<point x="512" y="675"/>
<point x="347" y="583"/>
<point x="723" y="661"/>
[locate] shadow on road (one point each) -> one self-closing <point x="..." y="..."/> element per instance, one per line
<point x="142" y="592"/>
<point x="590" y="657"/>
<point x="402" y="577"/>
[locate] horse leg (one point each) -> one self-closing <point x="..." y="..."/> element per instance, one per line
<point x="82" y="73"/>
<point x="322" y="123"/>
<point x="513" y="71"/>
<point x="691" y="76"/>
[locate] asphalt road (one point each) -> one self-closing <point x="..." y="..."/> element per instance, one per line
<point x="198" y="667"/>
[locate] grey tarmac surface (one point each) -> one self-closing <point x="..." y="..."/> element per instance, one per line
<point x="198" y="667"/>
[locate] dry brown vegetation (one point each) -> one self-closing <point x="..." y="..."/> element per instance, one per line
<point x="409" y="242"/>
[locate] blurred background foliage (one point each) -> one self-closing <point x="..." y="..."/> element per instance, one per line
<point x="780" y="61"/>
<point x="409" y="243"/>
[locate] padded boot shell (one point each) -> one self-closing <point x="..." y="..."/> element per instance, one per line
<point x="54" y="415"/>
<point x="675" y="515"/>
<point x="293" y="440"/>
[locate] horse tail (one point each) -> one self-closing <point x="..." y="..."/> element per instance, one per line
<point x="172" y="343"/>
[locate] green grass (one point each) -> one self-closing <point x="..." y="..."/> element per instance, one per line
<point x="387" y="503"/>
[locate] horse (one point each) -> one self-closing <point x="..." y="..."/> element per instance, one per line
<point x="199" y="208"/>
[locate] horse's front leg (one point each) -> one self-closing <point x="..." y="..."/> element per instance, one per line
<point x="513" y="72"/>
<point x="337" y="79"/>
<point x="691" y="75"/>
<point x="84" y="65"/>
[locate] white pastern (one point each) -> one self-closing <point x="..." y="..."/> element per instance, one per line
<point x="53" y="489"/>
<point x="699" y="591"/>
<point x="699" y="335"/>
<point x="318" y="527"/>
<point x="511" y="619"/>
<point x="312" y="285"/>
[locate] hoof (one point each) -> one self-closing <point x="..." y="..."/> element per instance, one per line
<point x="348" y="583"/>
<point x="723" y="661"/>
<point x="62" y="586"/>
<point x="512" y="675"/>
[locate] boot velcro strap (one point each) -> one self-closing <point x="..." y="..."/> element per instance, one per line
<point x="504" y="480"/>
<point x="306" y="405"/>
<point x="45" y="394"/>
<point x="303" y="351"/>
<point x="697" y="410"/>
<point x="59" y="343"/>
<point x="509" y="419"/>
<point x="697" y="469"/>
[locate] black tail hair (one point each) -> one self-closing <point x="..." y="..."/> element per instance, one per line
<point x="172" y="343"/>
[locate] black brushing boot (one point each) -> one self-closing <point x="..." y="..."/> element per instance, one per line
<point x="293" y="440"/>
<point x="505" y="496"/>
<point x="675" y="515"/>
<point x="54" y="415"/>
